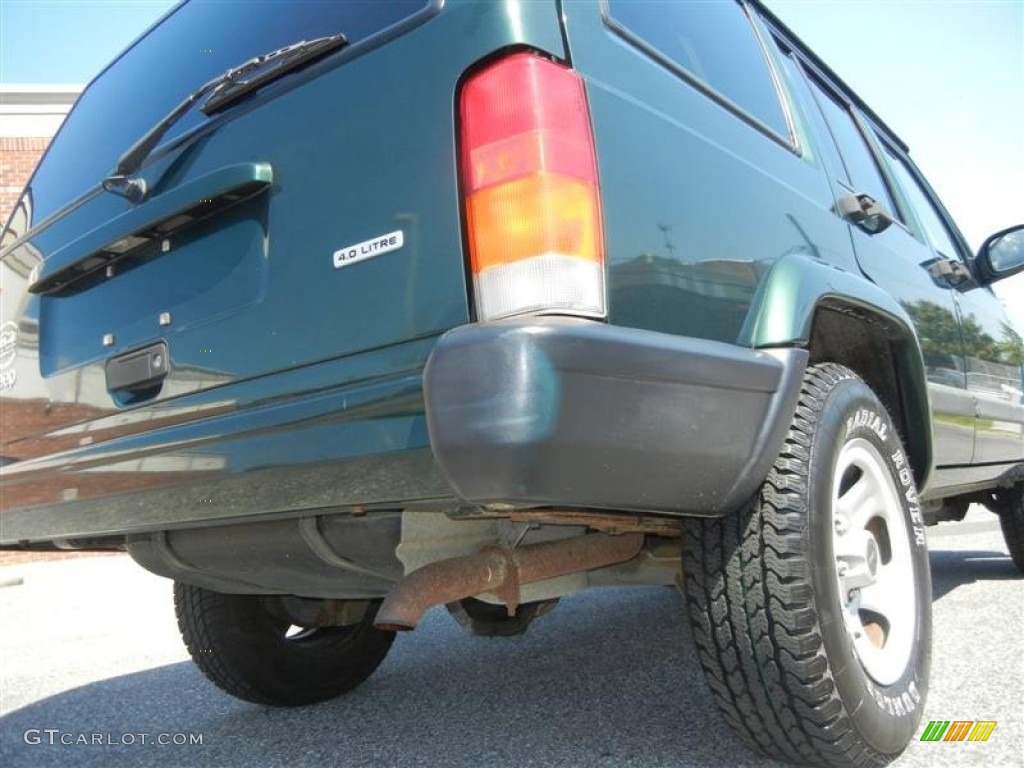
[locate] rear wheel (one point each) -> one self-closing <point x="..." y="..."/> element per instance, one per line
<point x="245" y="646"/>
<point x="811" y="607"/>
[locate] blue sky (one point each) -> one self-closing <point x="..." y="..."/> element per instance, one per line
<point x="68" y="41"/>
<point x="947" y="75"/>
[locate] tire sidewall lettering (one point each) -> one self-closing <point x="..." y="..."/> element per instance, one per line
<point x="852" y="411"/>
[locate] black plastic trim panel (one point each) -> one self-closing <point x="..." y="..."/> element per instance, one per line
<point x="567" y="412"/>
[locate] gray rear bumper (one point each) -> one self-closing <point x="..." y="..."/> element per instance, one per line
<point x="574" y="413"/>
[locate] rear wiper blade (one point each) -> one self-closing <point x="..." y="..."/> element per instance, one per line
<point x="224" y="89"/>
<point x="269" y="68"/>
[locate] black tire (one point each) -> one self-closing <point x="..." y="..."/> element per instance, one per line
<point x="245" y="649"/>
<point x="486" y="620"/>
<point x="1011" y="520"/>
<point x="764" y="596"/>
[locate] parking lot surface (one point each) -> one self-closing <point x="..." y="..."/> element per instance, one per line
<point x="89" y="647"/>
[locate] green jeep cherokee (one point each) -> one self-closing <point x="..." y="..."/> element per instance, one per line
<point x="374" y="307"/>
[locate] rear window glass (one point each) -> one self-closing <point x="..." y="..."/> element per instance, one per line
<point x="860" y="163"/>
<point x="825" y="144"/>
<point x="716" y="44"/>
<point x="199" y="40"/>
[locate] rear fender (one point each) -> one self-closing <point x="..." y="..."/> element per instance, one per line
<point x="782" y="315"/>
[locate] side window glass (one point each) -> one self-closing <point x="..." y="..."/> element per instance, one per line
<point x="920" y="203"/>
<point x="716" y="44"/>
<point x="860" y="163"/>
<point x="825" y="144"/>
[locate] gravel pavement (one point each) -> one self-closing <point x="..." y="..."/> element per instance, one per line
<point x="89" y="646"/>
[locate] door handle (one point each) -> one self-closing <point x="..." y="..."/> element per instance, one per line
<point x="865" y="212"/>
<point x="949" y="273"/>
<point x="139" y="374"/>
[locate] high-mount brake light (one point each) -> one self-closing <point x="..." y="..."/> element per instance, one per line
<point x="533" y="209"/>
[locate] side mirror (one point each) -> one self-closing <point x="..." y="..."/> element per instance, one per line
<point x="1002" y="254"/>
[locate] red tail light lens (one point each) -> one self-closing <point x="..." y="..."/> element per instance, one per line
<point x="533" y="210"/>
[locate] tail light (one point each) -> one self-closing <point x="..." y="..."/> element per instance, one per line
<point x="533" y="211"/>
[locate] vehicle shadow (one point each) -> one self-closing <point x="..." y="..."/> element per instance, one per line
<point x="609" y="678"/>
<point x="957" y="568"/>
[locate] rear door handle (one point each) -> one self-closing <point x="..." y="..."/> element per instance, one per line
<point x="139" y="374"/>
<point x="865" y="212"/>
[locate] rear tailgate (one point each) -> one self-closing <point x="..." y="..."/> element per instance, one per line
<point x="330" y="227"/>
<point x="254" y="288"/>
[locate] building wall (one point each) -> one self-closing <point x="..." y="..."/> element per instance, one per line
<point x="29" y="117"/>
<point x="18" y="158"/>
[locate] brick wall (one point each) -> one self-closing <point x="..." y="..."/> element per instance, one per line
<point x="18" y="158"/>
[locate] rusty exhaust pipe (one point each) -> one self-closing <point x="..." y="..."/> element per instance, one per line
<point x="500" y="571"/>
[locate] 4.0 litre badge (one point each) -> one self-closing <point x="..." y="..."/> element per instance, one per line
<point x="367" y="249"/>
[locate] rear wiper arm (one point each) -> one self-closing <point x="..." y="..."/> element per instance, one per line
<point x="224" y="89"/>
